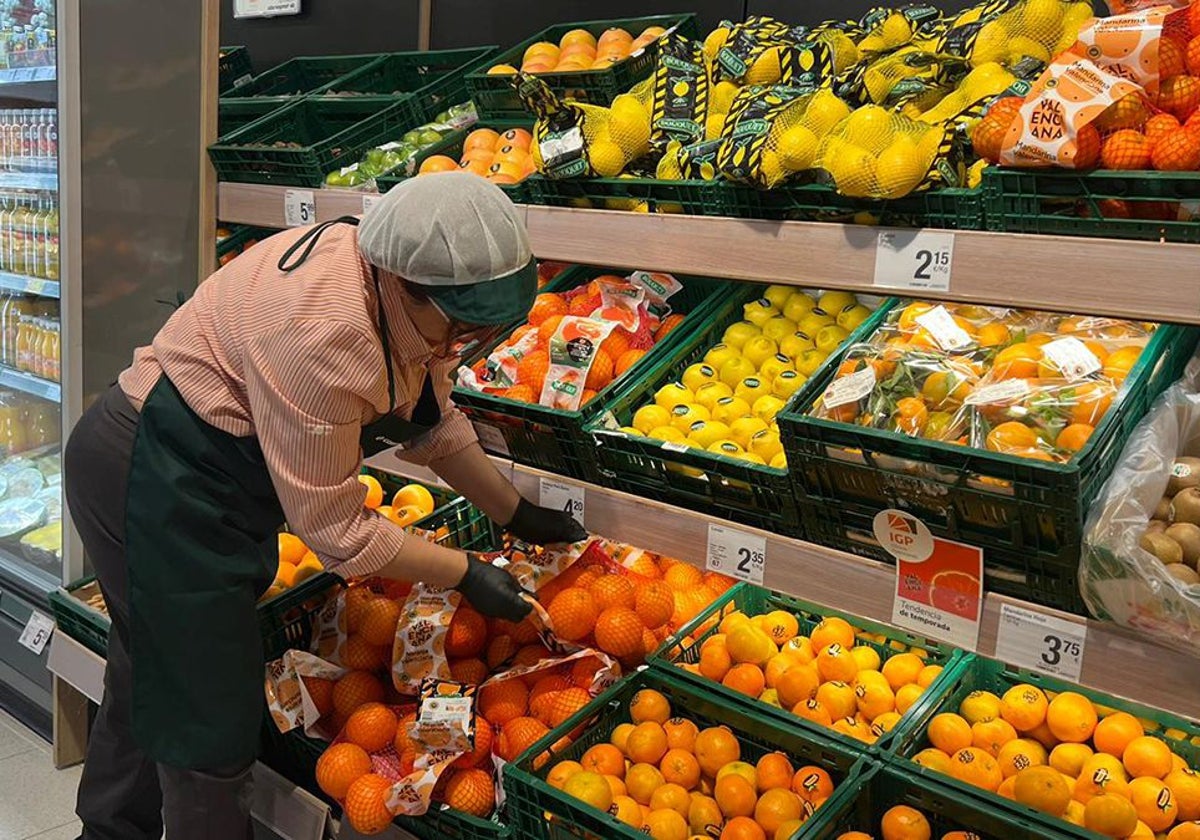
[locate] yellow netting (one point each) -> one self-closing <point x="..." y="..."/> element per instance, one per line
<point x="1010" y="32"/>
<point x="876" y="153"/>
<point x="967" y="101"/>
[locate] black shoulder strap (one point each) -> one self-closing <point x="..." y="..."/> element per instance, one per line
<point x="309" y="241"/>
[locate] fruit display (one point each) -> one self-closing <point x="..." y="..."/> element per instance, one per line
<point x="652" y="758"/>
<point x="1030" y="384"/>
<point x="400" y="154"/>
<point x="500" y="156"/>
<point x="1067" y="754"/>
<point x="726" y="402"/>
<point x="820" y="669"/>
<point x="1173" y="533"/>
<point x="579" y="50"/>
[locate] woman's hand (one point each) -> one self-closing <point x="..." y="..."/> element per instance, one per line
<point x="544" y="526"/>
<point x="492" y="591"/>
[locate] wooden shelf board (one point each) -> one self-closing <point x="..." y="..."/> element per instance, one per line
<point x="1115" y="660"/>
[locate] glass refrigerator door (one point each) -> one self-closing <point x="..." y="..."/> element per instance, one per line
<point x="31" y="554"/>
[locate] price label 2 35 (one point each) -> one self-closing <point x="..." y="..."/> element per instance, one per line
<point x="736" y="553"/>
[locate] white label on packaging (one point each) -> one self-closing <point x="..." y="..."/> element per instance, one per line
<point x="369" y="201"/>
<point x="735" y="553"/>
<point x="37" y="632"/>
<point x="492" y="440"/>
<point x="265" y="8"/>
<point x="569" y="143"/>
<point x="944" y="329"/>
<point x="299" y="208"/>
<point x="1006" y="391"/>
<point x="850" y="388"/>
<point x="562" y="496"/>
<point x="446" y="710"/>
<point x="675" y="446"/>
<point x="1072" y="357"/>
<point x="1041" y="642"/>
<point x="914" y="259"/>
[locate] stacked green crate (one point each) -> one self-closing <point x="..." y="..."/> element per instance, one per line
<point x="452" y="147"/>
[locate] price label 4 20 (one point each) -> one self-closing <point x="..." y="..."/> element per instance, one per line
<point x="562" y="496"/>
<point x="736" y="553"/>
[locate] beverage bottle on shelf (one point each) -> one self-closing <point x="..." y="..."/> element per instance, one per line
<point x="5" y="119"/>
<point x="20" y="223"/>
<point x="6" y="208"/>
<point x="30" y="138"/>
<point x="18" y="306"/>
<point x="14" y="435"/>
<point x="52" y="135"/>
<point x="52" y="240"/>
<point x="35" y="240"/>
<point x="7" y="299"/>
<point x="54" y="353"/>
<point x="43" y="425"/>
<point x="25" y="331"/>
<point x="42" y="354"/>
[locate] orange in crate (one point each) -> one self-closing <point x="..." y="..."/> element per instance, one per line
<point x="614" y="591"/>
<point x="470" y="791"/>
<point x="619" y="632"/>
<point x="467" y="633"/>
<point x="372" y="727"/>
<point x="1126" y="149"/>
<point x="573" y="613"/>
<point x="532" y="369"/>
<point x="366" y="804"/>
<point x="470" y="671"/>
<point x="566" y="703"/>
<point x="339" y="766"/>
<point x="377" y="624"/>
<point x="502" y="701"/>
<point x="546" y="305"/>
<point x="518" y="735"/>
<point x="356" y="689"/>
<point x="482" y="750"/>
<point x="655" y="604"/>
<point x="1177" y="151"/>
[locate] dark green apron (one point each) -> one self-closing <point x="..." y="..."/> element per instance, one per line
<point x="200" y="541"/>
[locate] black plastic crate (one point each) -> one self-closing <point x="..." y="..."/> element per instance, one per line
<point x="1101" y="203"/>
<point x="234" y="114"/>
<point x="299" y="144"/>
<point x="1026" y="515"/>
<point x="452" y="146"/>
<point x="436" y="79"/>
<point x="300" y="76"/>
<point x="557" y="440"/>
<point x="496" y="97"/>
<point x="80" y="621"/>
<point x="233" y="68"/>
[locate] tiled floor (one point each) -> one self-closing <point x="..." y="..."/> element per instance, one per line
<point x="36" y="801"/>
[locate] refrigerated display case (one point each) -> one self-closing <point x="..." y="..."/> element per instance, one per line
<point x="31" y="345"/>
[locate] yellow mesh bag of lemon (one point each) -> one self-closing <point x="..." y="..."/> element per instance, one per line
<point x="1022" y="34"/>
<point x="876" y="153"/>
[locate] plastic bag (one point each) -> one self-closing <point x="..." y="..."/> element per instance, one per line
<point x="1024" y="35"/>
<point x="1147" y="46"/>
<point x="1119" y="580"/>
<point x="875" y="153"/>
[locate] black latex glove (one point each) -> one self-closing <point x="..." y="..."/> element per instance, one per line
<point x="492" y="591"/>
<point x="544" y="526"/>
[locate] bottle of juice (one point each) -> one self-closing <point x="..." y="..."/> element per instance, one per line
<point x="33" y="227"/>
<point x="16" y="307"/>
<point x="54" y="353"/>
<point x="13" y="433"/>
<point x="52" y="240"/>
<point x="25" y="331"/>
<point x="6" y="209"/>
<point x="42" y="425"/>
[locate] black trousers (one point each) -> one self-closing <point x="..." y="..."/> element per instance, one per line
<point x="123" y="793"/>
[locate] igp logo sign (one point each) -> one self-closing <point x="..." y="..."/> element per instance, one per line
<point x="904" y="536"/>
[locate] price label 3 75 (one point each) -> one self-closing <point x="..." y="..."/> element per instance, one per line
<point x="914" y="259"/>
<point x="1041" y="642"/>
<point x="735" y="553"/>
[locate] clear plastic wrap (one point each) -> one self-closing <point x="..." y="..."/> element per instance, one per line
<point x="1121" y="581"/>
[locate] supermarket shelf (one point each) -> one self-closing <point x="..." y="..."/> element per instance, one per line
<point x="30" y="384"/>
<point x="1115" y="660"/>
<point x="28" y="285"/>
<point x="25" y="75"/>
<point x="29" y="180"/>
<point x="1148" y="280"/>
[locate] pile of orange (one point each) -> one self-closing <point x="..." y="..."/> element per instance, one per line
<point x="502" y="158"/>
<point x="409" y="505"/>
<point x="990" y="379"/>
<point x="830" y="677"/>
<point x="1064" y="755"/>
<point x="581" y="50"/>
<point x="296" y="564"/>
<point x="620" y="351"/>
<point x="628" y="612"/>
<point x="672" y="780"/>
<point x="903" y="822"/>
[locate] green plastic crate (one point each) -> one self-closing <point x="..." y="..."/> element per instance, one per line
<point x="497" y="99"/>
<point x="234" y="114"/>
<point x="536" y="810"/>
<point x="237" y="239"/>
<point x="978" y="673"/>
<point x="755" y="495"/>
<point x="1055" y="201"/>
<point x="466" y="526"/>
<point x="300" y="76"/>
<point x="754" y="600"/>
<point x="325" y="134"/>
<point x="234" y="68"/>
<point x="695" y="198"/>
<point x="452" y="146"/>
<point x="884" y="787"/>
<point x="556" y="440"/>
<point x="436" y="79"/>
<point x="1026" y="515"/>
<point x="84" y="624"/>
<point x="951" y="208"/>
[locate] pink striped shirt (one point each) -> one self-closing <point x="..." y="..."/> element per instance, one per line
<point x="296" y="359"/>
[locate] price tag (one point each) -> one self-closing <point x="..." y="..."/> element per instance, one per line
<point x="37" y="632"/>
<point x="1041" y="642"/>
<point x="492" y="440"/>
<point x="299" y="208"/>
<point x="850" y="388"/>
<point x="944" y="329"/>
<point x="562" y="496"/>
<point x="736" y="553"/>
<point x="914" y="259"/>
<point x="369" y="201"/>
<point x="1071" y="356"/>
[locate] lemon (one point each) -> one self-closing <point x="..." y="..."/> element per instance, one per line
<point x="778" y="296"/>
<point x="606" y="158"/>
<point x="728" y="448"/>
<point x="824" y="112"/>
<point x="720" y="98"/>
<point x="853" y="171"/>
<point x="849" y="319"/>
<point x="765" y="444"/>
<point x="767" y="408"/>
<point x="896" y="30"/>
<point x="832" y="303"/>
<point x="1022" y="47"/>
<point x="735" y="370"/>
<point x="786" y="384"/>
<point x="697" y="375"/>
<point x="774" y="366"/>
<point x="812" y="323"/>
<point x="796" y="343"/>
<point x="779" y="462"/>
<point x="535" y="154"/>
<point x="1074" y="17"/>
<point x="668" y="169"/>
<point x="629" y="126"/>
<point x="707" y="432"/>
<point x="713" y="126"/>
<point x="667" y="434"/>
<point x="797" y="306"/>
<point x="991" y="45"/>
<point x="770" y="169"/>
<point x="719" y="354"/>
<point x="738" y="334"/>
<point x="798" y="149"/>
<point x="671" y="395"/>
<point x="751" y="388"/>
<point x="729" y="409"/>
<point x="714" y="42"/>
<point x="744" y="428"/>
<point x="766" y="69"/>
<point x="778" y="328"/>
<point x="869" y="127"/>
<point x="809" y="361"/>
<point x="929" y="145"/>
<point x="899" y="169"/>
<point x="753" y="459"/>
<point x="830" y="338"/>
<point x="709" y="393"/>
<point x="757" y="350"/>
<point x="683" y="417"/>
<point x="975" y="173"/>
<point x="1042" y="18"/>
<point x="758" y="312"/>
<point x="650" y="417"/>
<point x="845" y="52"/>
